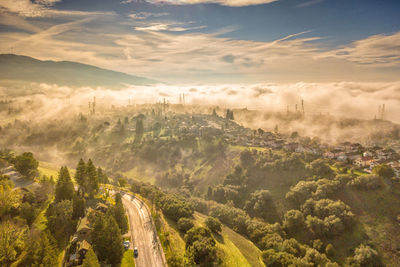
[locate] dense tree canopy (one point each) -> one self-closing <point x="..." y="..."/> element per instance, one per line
<point x="59" y="220"/>
<point x="12" y="239"/>
<point x="26" y="164"/>
<point x="106" y="239"/>
<point x="213" y="224"/>
<point x="200" y="245"/>
<point x="383" y="170"/>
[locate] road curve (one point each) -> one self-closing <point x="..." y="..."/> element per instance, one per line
<point x="142" y="234"/>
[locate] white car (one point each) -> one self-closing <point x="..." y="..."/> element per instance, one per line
<point x="126" y="244"/>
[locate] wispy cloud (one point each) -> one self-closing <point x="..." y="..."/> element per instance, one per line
<point x="309" y="3"/>
<point x="147" y="15"/>
<point x="171" y="27"/>
<point x="40" y="8"/>
<point x="234" y="3"/>
<point x="381" y="50"/>
<point x="174" y="51"/>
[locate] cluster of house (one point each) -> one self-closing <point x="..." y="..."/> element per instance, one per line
<point x="276" y="141"/>
<point x="352" y="153"/>
<point x="366" y="158"/>
<point x="80" y="242"/>
<point x="235" y="134"/>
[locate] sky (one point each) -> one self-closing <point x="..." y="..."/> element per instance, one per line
<point x="213" y="41"/>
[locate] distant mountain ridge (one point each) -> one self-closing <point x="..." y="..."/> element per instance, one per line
<point x="28" y="69"/>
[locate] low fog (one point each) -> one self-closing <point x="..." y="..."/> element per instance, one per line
<point x="327" y="106"/>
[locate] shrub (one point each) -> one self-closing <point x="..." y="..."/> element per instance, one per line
<point x="367" y="182"/>
<point x="293" y="220"/>
<point x="185" y="224"/>
<point x="200" y="245"/>
<point x="330" y="250"/>
<point x="383" y="170"/>
<point x="366" y="256"/>
<point x="213" y="224"/>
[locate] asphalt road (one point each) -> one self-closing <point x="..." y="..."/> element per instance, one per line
<point x="142" y="234"/>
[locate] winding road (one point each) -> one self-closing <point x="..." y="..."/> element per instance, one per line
<point x="142" y="233"/>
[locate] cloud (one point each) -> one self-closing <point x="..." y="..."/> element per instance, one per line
<point x="174" y="52"/>
<point x="40" y="8"/>
<point x="233" y="3"/>
<point x="18" y="22"/>
<point x="309" y="3"/>
<point x="228" y="58"/>
<point x="146" y="15"/>
<point x="382" y="50"/>
<point x="171" y="27"/>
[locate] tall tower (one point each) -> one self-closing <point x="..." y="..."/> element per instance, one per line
<point x="302" y="106"/>
<point x="383" y="111"/>
<point x="94" y="105"/>
<point x="183" y="98"/>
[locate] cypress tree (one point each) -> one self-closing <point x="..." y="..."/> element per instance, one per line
<point x="90" y="259"/>
<point x="80" y="176"/>
<point x="64" y="187"/>
<point x="107" y="240"/>
<point x="119" y="214"/>
<point x="93" y="181"/>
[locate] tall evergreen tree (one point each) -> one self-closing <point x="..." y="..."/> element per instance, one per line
<point x="90" y="259"/>
<point x="41" y="251"/>
<point x="107" y="240"/>
<point x="139" y="130"/>
<point x="92" y="179"/>
<point x="64" y="187"/>
<point x="119" y="214"/>
<point x="102" y="176"/>
<point x="80" y="176"/>
<point x="59" y="220"/>
<point x="78" y="207"/>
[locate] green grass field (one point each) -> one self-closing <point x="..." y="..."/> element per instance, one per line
<point x="51" y="169"/>
<point x="48" y="169"/>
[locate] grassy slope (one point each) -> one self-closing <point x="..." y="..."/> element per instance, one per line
<point x="234" y="249"/>
<point x="48" y="169"/>
<point x="140" y="176"/>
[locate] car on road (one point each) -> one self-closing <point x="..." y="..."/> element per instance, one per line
<point x="135" y="252"/>
<point x="126" y="244"/>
